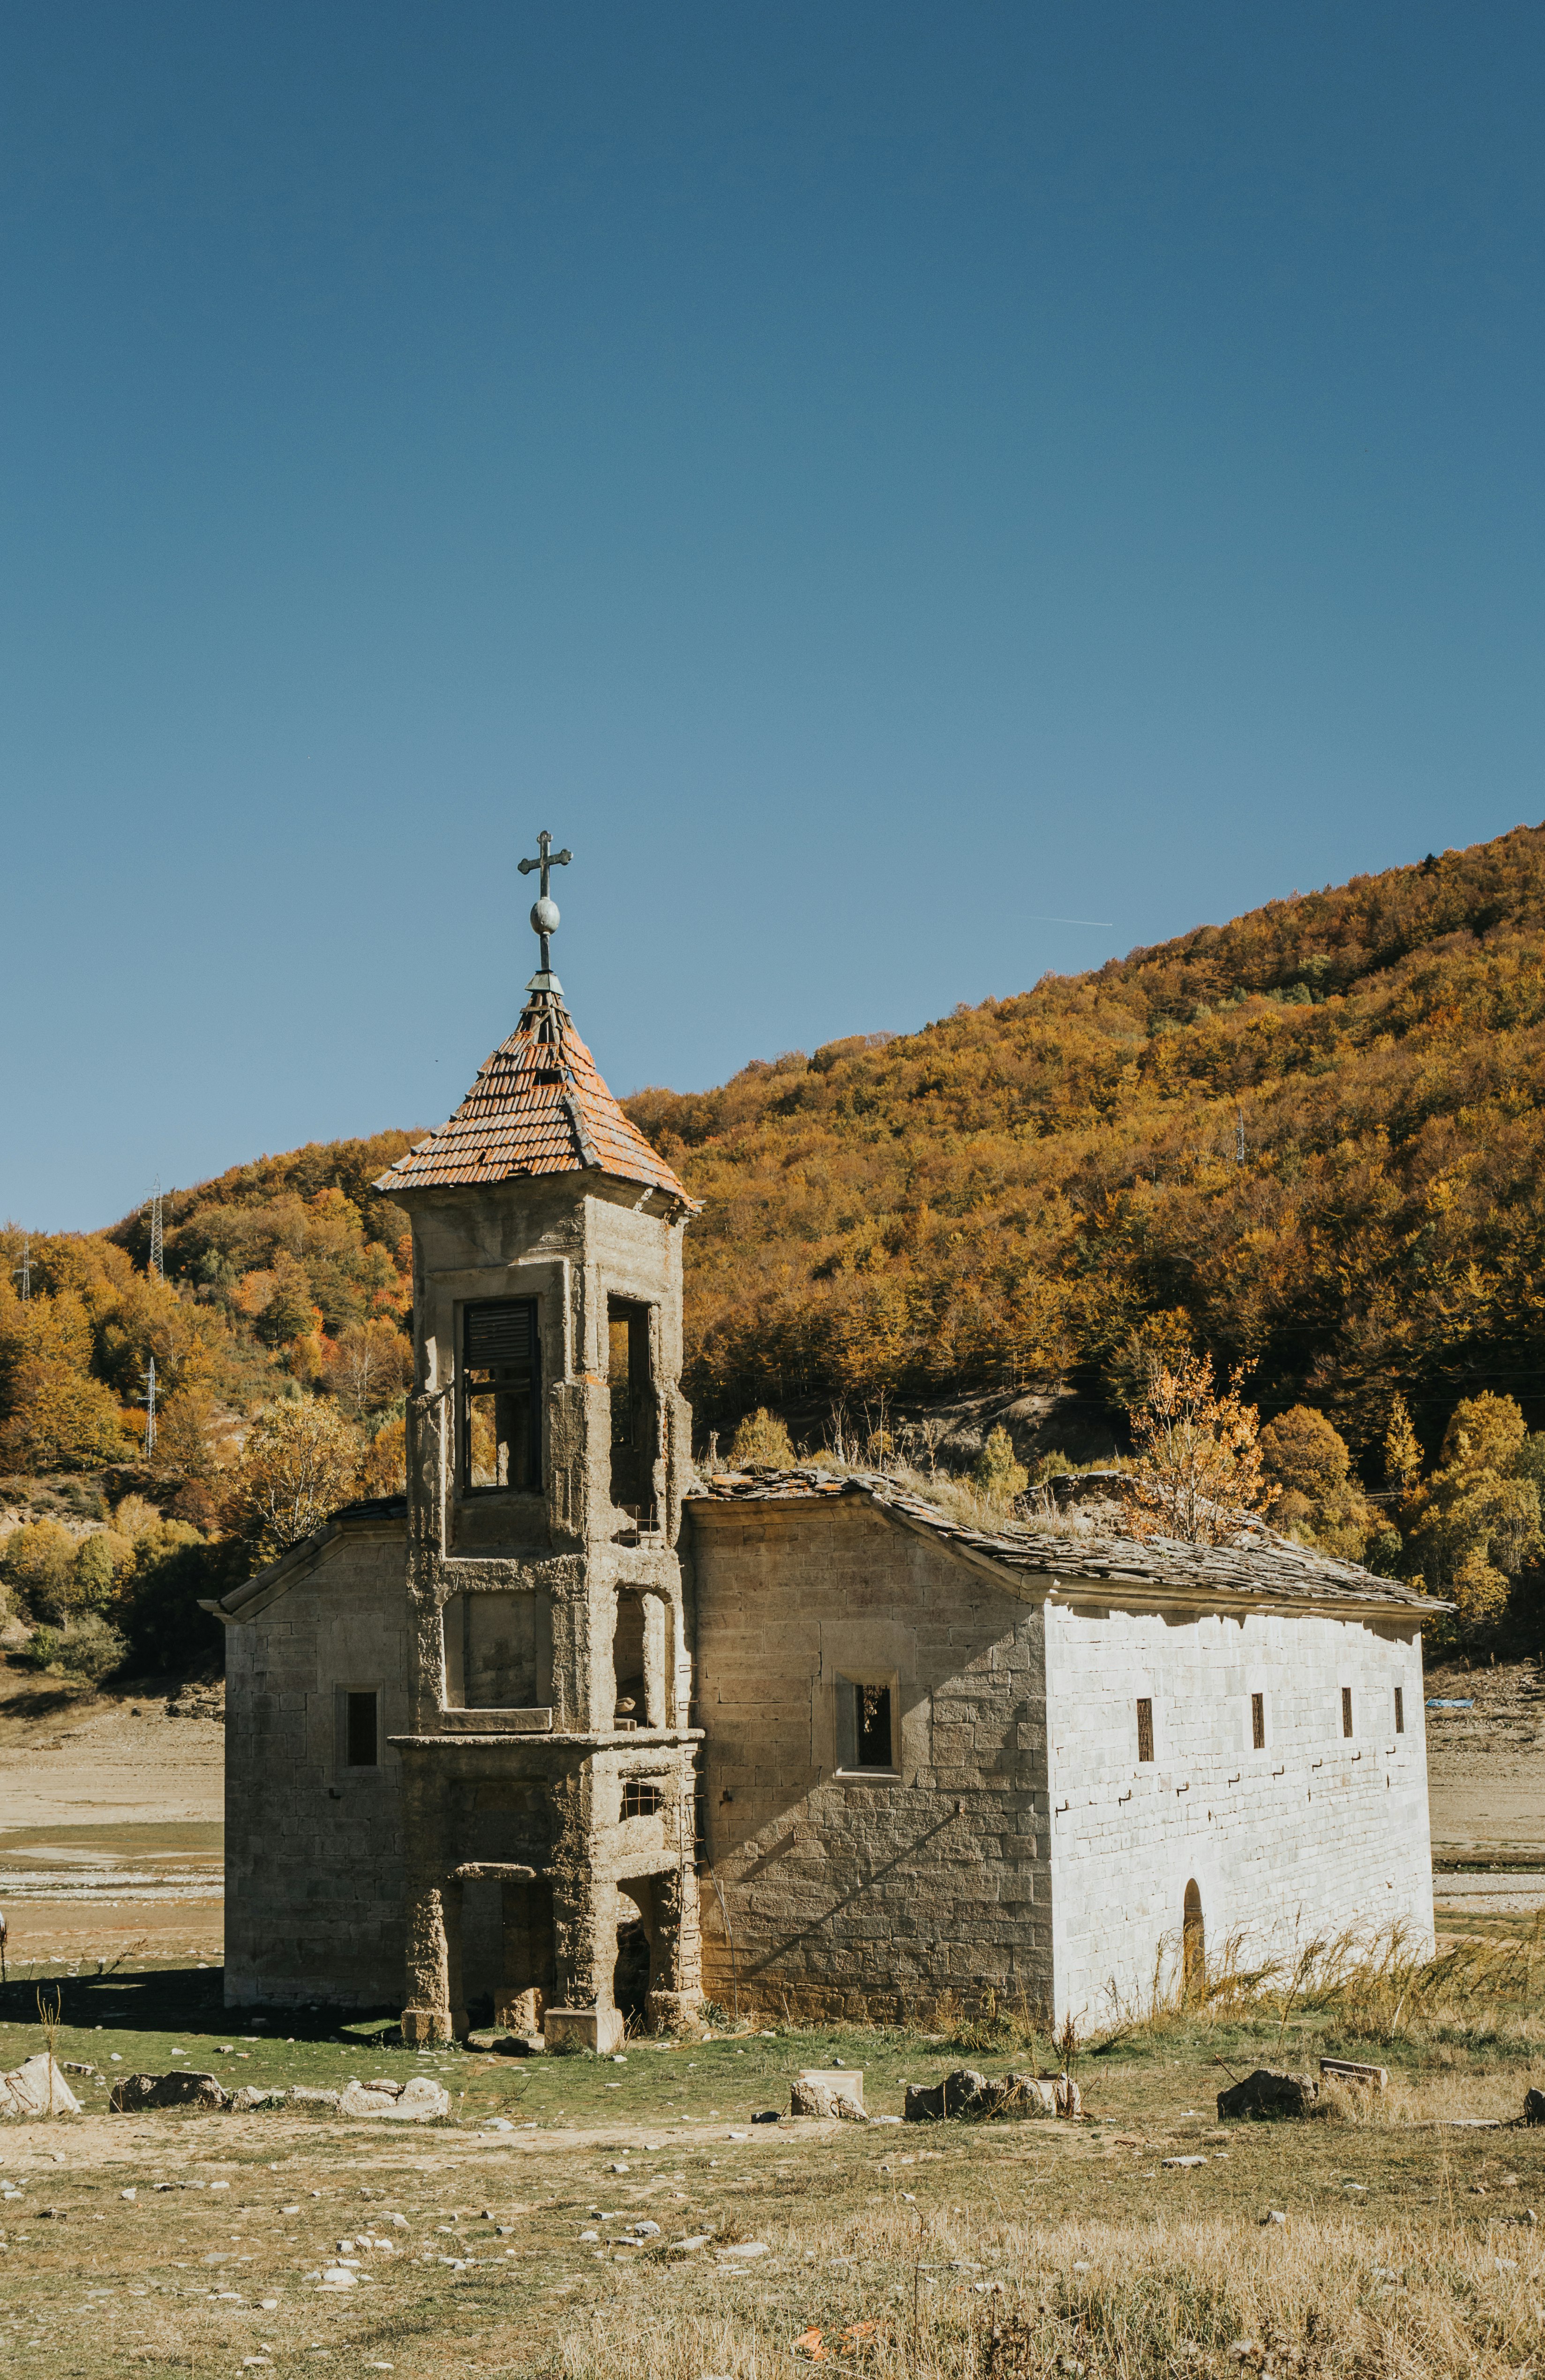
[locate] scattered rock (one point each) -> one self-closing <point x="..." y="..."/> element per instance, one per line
<point x="1273" y="2215"/>
<point x="820" y="2092"/>
<point x="300" y="2094"/>
<point x="251" y="2097"/>
<point x="745" y="2248"/>
<point x="134" y="2092"/>
<point x="970" y="2094"/>
<point x="1267" y="2093"/>
<point x="37" y="2087"/>
<point x="1173" y="2165"/>
<point x="419" y="2101"/>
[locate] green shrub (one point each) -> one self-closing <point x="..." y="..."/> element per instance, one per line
<point x="995" y="1474"/>
<point x="89" y="1648"/>
<point x="761" y="1442"/>
<point x="94" y="1570"/>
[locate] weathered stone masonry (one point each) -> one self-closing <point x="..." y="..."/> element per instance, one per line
<point x="566" y="1733"/>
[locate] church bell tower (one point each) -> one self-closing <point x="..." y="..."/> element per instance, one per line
<point x="549" y="1776"/>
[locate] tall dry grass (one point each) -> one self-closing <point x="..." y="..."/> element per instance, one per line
<point x="1327" y="2299"/>
<point x="1381" y="1988"/>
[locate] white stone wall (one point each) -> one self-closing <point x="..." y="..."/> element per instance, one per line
<point x="313" y="1848"/>
<point x="1314" y="1835"/>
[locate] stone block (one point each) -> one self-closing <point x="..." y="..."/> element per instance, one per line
<point x="37" y="2087"/>
<point x="601" y="2030"/>
<point x="828" y="2091"/>
<point x="420" y="2100"/>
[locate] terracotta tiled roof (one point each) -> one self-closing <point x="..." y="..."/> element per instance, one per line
<point x="537" y="1106"/>
<point x="1254" y="1561"/>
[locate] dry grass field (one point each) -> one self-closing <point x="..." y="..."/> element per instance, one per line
<point x="947" y="2252"/>
<point x="195" y="2243"/>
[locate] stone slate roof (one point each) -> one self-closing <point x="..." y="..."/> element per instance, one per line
<point x="539" y="1106"/>
<point x="1253" y="1562"/>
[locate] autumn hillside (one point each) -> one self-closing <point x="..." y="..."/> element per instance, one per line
<point x="1049" y="1184"/>
<point x="1044" y="1191"/>
<point x="278" y="1332"/>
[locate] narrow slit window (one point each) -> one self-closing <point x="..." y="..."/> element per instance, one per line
<point x="361" y="1734"/>
<point x="500" y="1409"/>
<point x="635" y="1415"/>
<point x="1145" y="1728"/>
<point x="1346" y="1710"/>
<point x="1400" y="1710"/>
<point x="1258" y="1722"/>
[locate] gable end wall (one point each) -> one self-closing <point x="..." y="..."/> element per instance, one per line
<point x="831" y="1896"/>
<point x="314" y="1903"/>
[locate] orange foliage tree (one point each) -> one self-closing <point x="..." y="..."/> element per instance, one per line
<point x="1199" y="1463"/>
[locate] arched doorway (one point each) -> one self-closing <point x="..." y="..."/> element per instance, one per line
<point x="1193" y="1940"/>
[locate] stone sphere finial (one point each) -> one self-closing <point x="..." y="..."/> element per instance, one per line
<point x="544" y="916"/>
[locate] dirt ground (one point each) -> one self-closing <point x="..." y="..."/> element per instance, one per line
<point x="197" y="2243"/>
<point x="112" y="1817"/>
<point x="1486" y="1766"/>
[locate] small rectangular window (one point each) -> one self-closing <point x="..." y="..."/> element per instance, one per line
<point x="1346" y="1710"/>
<point x="864" y="1734"/>
<point x="501" y="1408"/>
<point x="1400" y="1710"/>
<point x="360" y="1734"/>
<point x="1145" y="1728"/>
<point x="639" y="1800"/>
<point x="1258" y="1722"/>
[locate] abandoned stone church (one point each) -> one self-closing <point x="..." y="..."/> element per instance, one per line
<point x="570" y="1736"/>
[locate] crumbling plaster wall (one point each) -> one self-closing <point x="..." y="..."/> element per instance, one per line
<point x="314" y="1907"/>
<point x="834" y="1894"/>
<point x="1313" y="1834"/>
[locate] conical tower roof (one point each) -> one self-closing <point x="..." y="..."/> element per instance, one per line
<point x="539" y="1106"/>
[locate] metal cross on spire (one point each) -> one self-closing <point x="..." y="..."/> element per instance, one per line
<point x="544" y="910"/>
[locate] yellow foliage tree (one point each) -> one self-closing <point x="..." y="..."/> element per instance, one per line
<point x="1476" y="1523"/>
<point x="366" y="1366"/>
<point x="1306" y="1460"/>
<point x="384" y="1469"/>
<point x="301" y="1463"/>
<point x="56" y="1417"/>
<point x="1198" y="1456"/>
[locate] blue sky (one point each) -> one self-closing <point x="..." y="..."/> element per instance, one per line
<point x="871" y="478"/>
